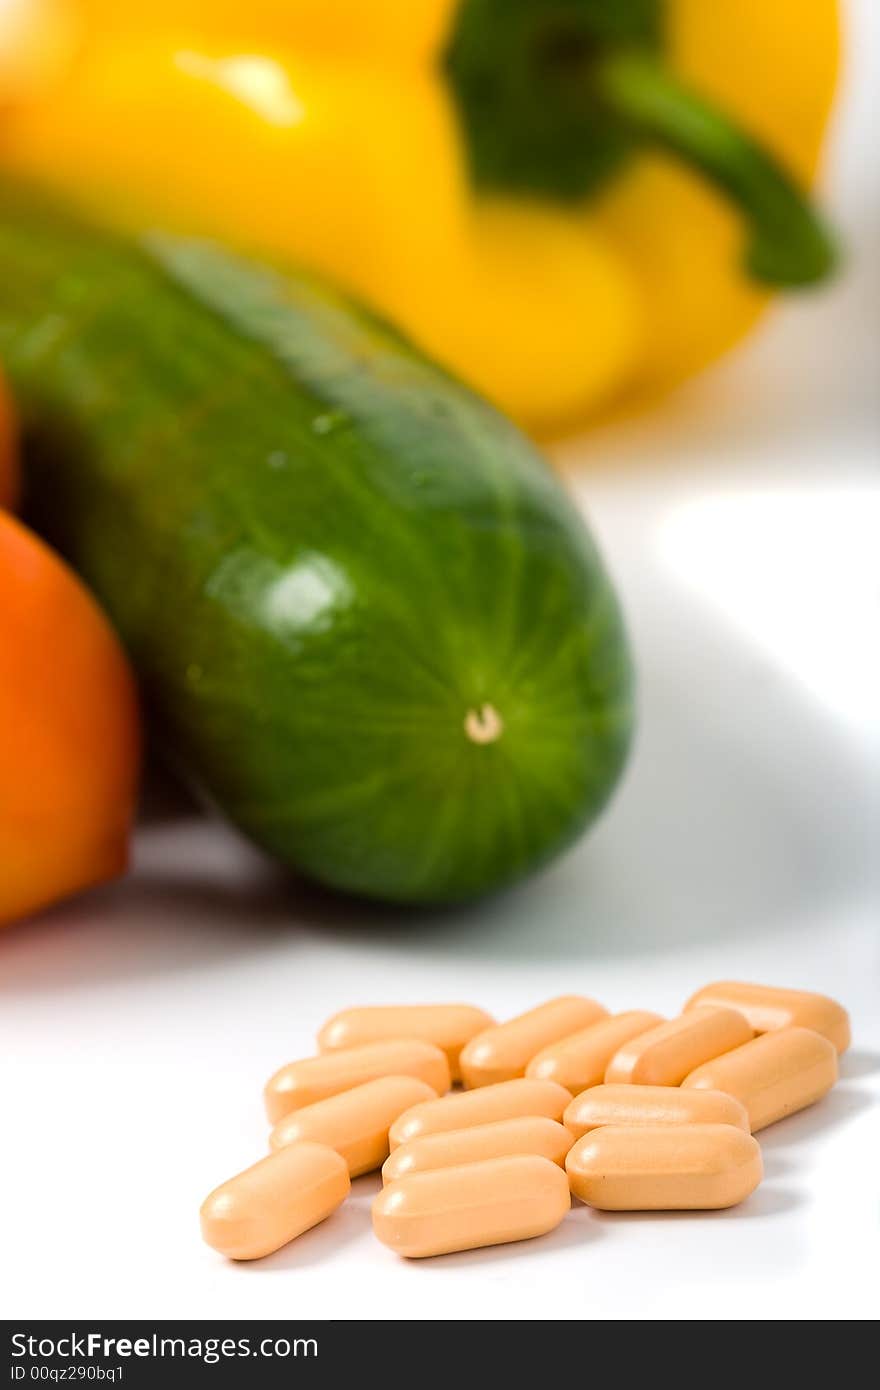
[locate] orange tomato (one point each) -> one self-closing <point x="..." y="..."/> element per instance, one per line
<point x="8" y="458"/>
<point x="69" y="732"/>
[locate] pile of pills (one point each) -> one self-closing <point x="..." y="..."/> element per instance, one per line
<point x="629" y="1112"/>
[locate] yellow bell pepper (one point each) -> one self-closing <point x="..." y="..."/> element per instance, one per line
<point x="569" y="202"/>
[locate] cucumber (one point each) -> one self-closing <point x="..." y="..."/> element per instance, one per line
<point x="370" y="627"/>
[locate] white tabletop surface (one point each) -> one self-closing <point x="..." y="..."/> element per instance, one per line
<point x="138" y="1024"/>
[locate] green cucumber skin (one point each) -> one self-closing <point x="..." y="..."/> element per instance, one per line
<point x="321" y="553"/>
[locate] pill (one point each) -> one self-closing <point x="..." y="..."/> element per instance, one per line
<point x="504" y="1101"/>
<point x="355" y="1123"/>
<point x="475" y="1204"/>
<point x="652" y="1105"/>
<point x="664" y="1167"/>
<point x="315" y="1078"/>
<point x="768" y="1008"/>
<point x="773" y="1075"/>
<point x="666" y="1054"/>
<point x="579" y="1061"/>
<point x="503" y="1052"/>
<point x="275" y="1200"/>
<point x="526" y="1134"/>
<point x="447" y="1026"/>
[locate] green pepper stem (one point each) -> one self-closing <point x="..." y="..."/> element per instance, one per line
<point x="789" y="245"/>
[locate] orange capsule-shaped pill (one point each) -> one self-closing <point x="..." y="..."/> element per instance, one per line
<point x="274" y="1201"/>
<point x="652" y="1105"/>
<point x="355" y="1123"/>
<point x="774" y="1075"/>
<point x="503" y="1052"/>
<point x="524" y="1134"/>
<point x="768" y="1008"/>
<point x="447" y="1026"/>
<point x="315" y="1078"/>
<point x="580" y="1061"/>
<point x="664" y="1167"/>
<point x="666" y="1054"/>
<point x="475" y="1204"/>
<point x="503" y="1101"/>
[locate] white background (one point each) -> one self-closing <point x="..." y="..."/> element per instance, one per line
<point x="138" y="1025"/>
